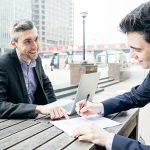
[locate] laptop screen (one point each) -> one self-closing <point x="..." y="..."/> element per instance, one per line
<point x="87" y="85"/>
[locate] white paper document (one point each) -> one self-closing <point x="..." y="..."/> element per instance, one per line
<point x="70" y="125"/>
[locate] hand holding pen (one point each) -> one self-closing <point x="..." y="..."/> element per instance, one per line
<point x="82" y="105"/>
<point x="86" y="108"/>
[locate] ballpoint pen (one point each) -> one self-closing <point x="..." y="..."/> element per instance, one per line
<point x="88" y="95"/>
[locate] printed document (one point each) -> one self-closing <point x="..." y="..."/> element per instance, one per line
<point x="70" y="125"/>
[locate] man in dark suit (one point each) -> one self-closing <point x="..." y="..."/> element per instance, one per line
<point x="137" y="27"/>
<point x="25" y="90"/>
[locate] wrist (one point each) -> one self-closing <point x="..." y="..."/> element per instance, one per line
<point x="109" y="141"/>
<point x="38" y="109"/>
<point x="100" y="109"/>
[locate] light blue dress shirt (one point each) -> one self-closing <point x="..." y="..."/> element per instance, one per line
<point x="29" y="77"/>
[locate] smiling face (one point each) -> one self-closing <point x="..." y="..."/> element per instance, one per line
<point x="27" y="44"/>
<point x="139" y="49"/>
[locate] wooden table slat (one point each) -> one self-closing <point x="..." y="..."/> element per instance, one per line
<point x="22" y="135"/>
<point x="9" y="123"/>
<point x="2" y="120"/>
<point x="57" y="143"/>
<point x="16" y="128"/>
<point x="38" y="139"/>
<point x="124" y="118"/>
<point x="78" y="145"/>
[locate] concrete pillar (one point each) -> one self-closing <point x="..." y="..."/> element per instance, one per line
<point x="114" y="70"/>
<point x="76" y="70"/>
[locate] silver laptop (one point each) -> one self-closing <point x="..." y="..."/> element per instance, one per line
<point x="87" y="86"/>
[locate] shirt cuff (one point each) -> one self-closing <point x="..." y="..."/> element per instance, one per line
<point x="101" y="109"/>
<point x="110" y="141"/>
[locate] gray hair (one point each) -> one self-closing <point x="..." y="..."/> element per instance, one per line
<point x="21" y="25"/>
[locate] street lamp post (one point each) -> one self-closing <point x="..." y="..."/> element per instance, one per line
<point x="83" y="15"/>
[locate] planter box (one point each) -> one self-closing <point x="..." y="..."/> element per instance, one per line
<point x="76" y="70"/>
<point x="114" y="71"/>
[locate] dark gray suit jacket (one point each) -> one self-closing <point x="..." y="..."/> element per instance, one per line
<point x="13" y="92"/>
<point x="139" y="96"/>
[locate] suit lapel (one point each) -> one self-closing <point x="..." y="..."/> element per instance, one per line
<point x="37" y="71"/>
<point x="20" y="74"/>
<point x="41" y="93"/>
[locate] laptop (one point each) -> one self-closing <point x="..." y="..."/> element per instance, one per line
<point x="87" y="87"/>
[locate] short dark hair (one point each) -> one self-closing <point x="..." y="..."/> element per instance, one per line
<point x="21" y="25"/>
<point x="138" y="20"/>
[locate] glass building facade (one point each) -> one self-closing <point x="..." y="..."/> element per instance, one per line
<point x="10" y="11"/>
<point x="53" y="19"/>
<point x="55" y="22"/>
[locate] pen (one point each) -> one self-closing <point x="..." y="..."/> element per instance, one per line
<point x="88" y="95"/>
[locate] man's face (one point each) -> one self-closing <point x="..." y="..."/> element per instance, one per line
<point x="139" y="49"/>
<point x="27" y="44"/>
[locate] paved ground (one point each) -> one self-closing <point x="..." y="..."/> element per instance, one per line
<point x="136" y="77"/>
<point x="62" y="76"/>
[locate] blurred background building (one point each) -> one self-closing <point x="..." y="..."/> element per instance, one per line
<point x="53" y="19"/>
<point x="9" y="12"/>
<point x="55" y="22"/>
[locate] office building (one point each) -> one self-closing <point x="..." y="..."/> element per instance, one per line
<point x="53" y="19"/>
<point x="11" y="10"/>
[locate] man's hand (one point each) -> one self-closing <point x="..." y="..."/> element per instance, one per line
<point x="92" y="133"/>
<point x="86" y="109"/>
<point x="55" y="112"/>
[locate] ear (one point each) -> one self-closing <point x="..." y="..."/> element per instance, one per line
<point x="13" y="43"/>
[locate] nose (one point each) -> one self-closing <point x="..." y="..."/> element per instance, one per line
<point x="34" y="45"/>
<point x="133" y="54"/>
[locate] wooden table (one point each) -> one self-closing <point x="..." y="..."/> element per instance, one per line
<point x="42" y="135"/>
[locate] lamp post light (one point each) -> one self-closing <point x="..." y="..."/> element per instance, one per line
<point x="83" y="15"/>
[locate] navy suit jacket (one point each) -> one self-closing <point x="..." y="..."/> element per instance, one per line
<point x="139" y="96"/>
<point x="13" y="92"/>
